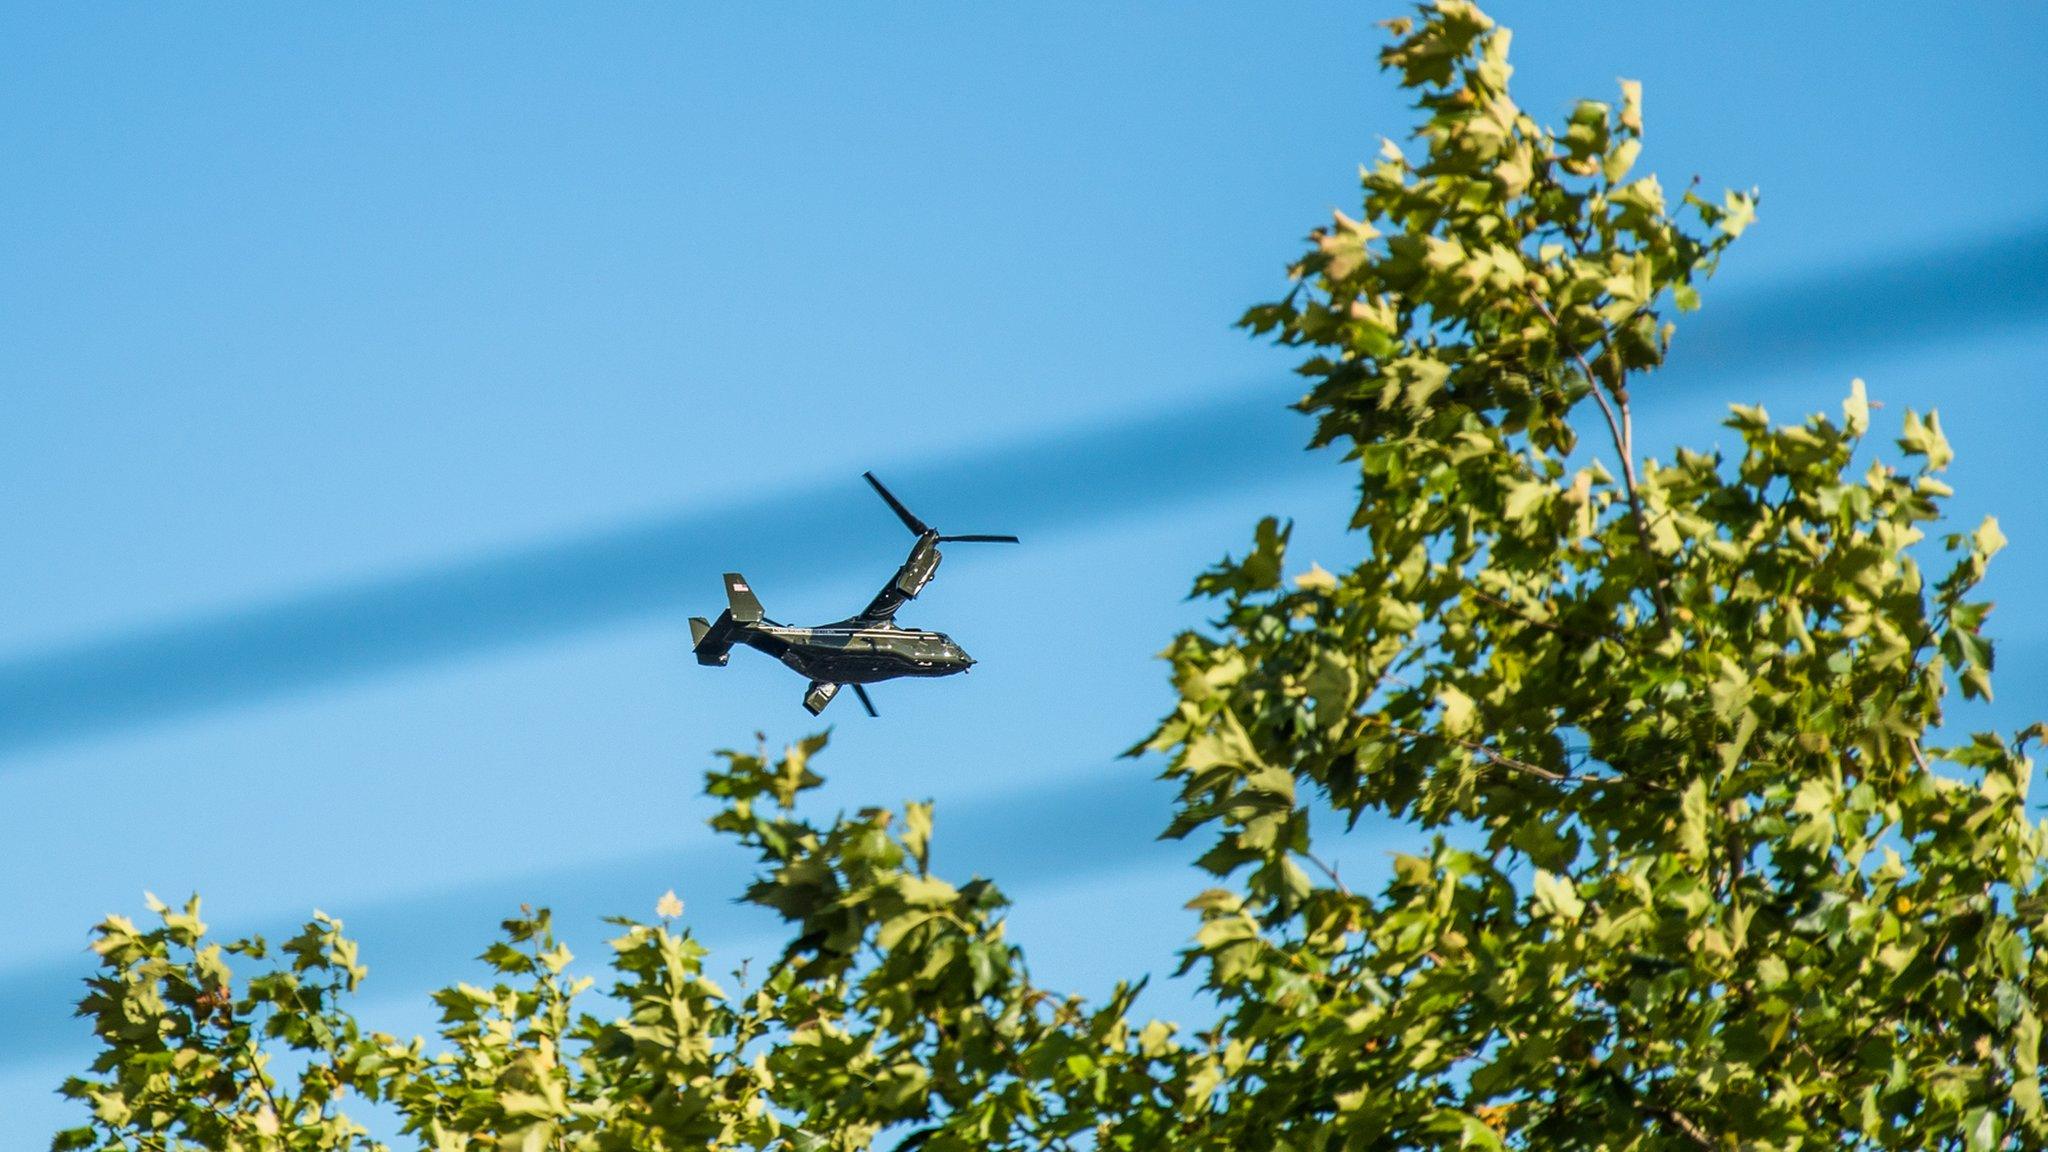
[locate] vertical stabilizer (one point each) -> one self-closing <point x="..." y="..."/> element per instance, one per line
<point x="738" y="593"/>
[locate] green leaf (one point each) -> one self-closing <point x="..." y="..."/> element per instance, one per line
<point x="1856" y="410"/>
<point x="1557" y="897"/>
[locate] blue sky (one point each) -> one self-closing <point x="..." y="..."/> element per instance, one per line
<point x="385" y="386"/>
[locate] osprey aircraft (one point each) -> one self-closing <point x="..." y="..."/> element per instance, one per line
<point x="861" y="649"/>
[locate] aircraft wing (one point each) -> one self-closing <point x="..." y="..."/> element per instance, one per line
<point x="910" y="579"/>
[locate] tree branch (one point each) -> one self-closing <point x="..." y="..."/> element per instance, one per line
<point x="1327" y="870"/>
<point x="1505" y="761"/>
<point x="1524" y="615"/>
<point x="1621" y="428"/>
<point x="1678" y="1120"/>
<point x="1658" y="1111"/>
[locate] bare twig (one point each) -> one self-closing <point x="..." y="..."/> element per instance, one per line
<point x="1678" y="1120"/>
<point x="1524" y="615"/>
<point x="1621" y="427"/>
<point x="1505" y="761"/>
<point x="1327" y="870"/>
<point x="1660" y="1111"/>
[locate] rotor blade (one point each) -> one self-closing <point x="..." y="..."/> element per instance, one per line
<point x="909" y="521"/>
<point x="982" y="539"/>
<point x="864" y="701"/>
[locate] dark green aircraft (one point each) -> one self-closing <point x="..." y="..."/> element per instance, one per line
<point x="860" y="649"/>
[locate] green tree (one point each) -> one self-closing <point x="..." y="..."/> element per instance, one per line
<point x="1698" y="874"/>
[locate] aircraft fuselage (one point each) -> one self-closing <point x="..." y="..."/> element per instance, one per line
<point x="863" y="648"/>
<point x="848" y="653"/>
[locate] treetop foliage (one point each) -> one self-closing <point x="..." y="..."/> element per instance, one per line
<point x="1701" y="872"/>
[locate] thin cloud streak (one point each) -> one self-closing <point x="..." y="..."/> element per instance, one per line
<point x="1916" y="297"/>
<point x="661" y="566"/>
<point x="523" y="596"/>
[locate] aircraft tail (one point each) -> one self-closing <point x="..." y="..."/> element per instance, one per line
<point x="745" y="608"/>
<point x="713" y="639"/>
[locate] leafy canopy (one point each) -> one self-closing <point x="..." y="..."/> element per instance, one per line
<point x="1699" y="875"/>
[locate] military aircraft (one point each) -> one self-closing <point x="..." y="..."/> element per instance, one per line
<point x="861" y="649"/>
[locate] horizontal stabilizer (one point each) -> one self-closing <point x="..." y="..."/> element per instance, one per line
<point x="713" y="639"/>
